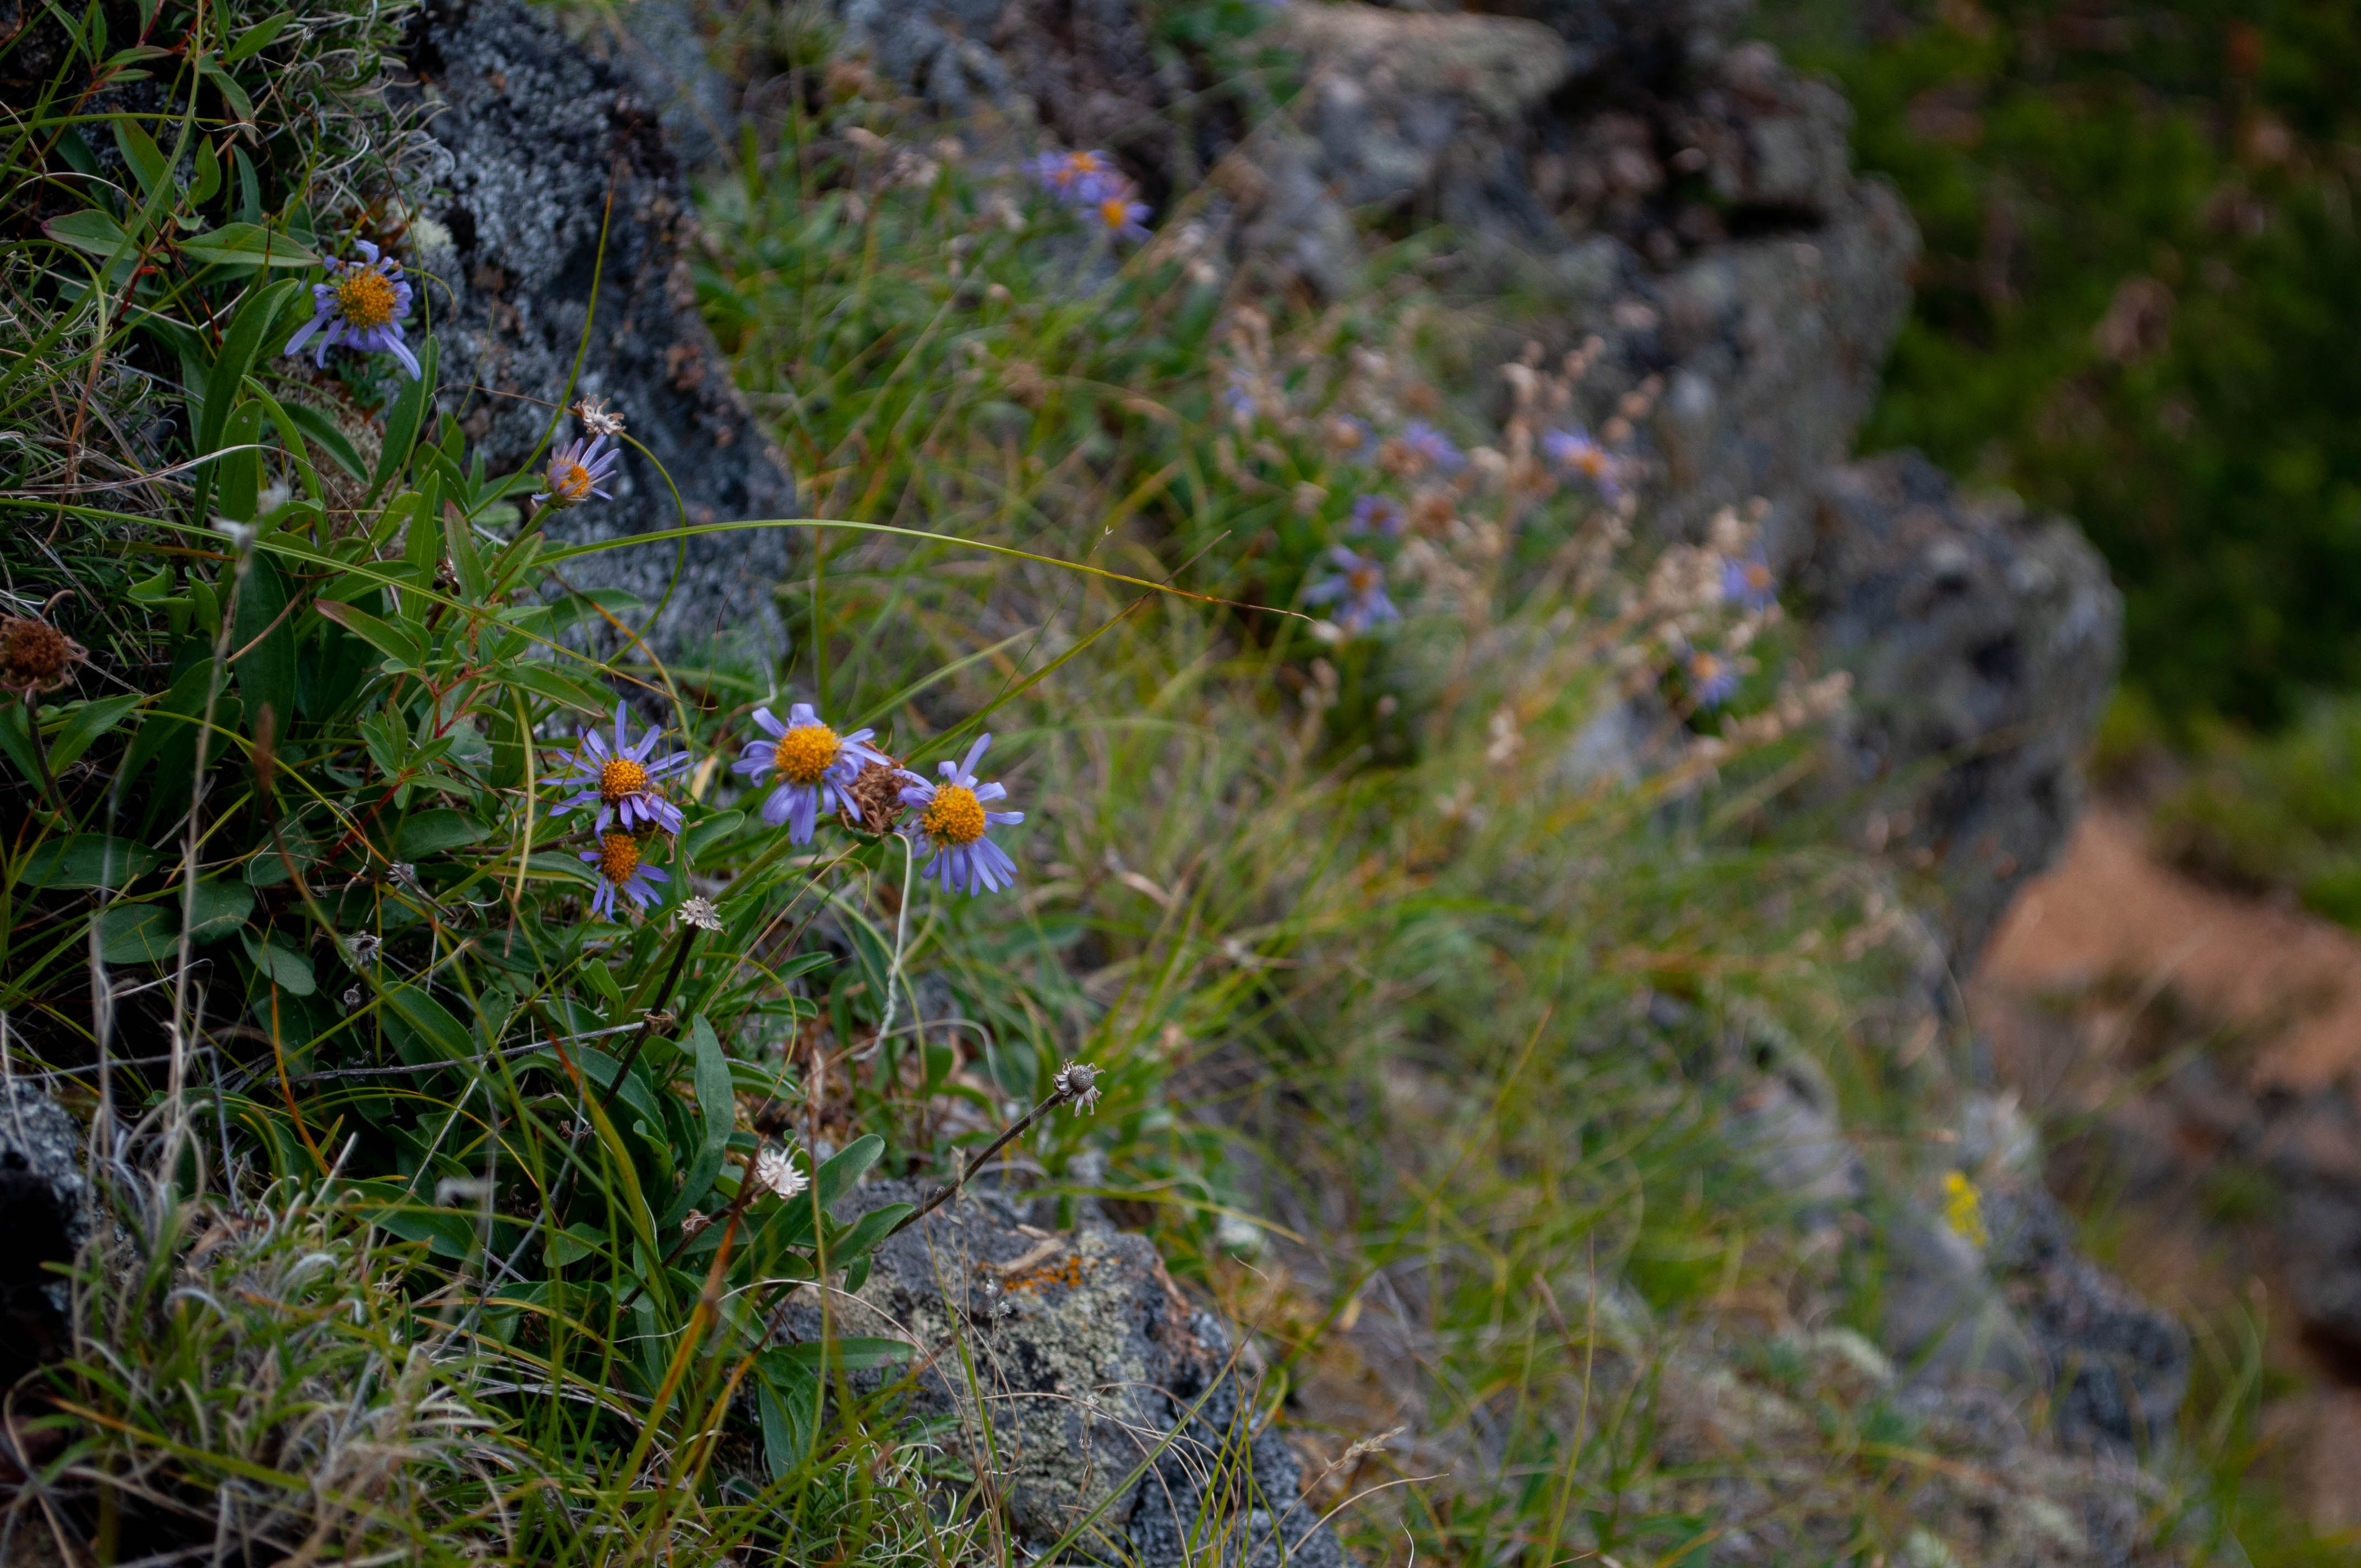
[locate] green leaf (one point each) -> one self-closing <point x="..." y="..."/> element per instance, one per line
<point x="786" y="1395"/>
<point x="232" y="94"/>
<point x="430" y="1023"/>
<point x="257" y="36"/>
<point x="856" y="1244"/>
<point x="17" y="741"/>
<point x="837" y="1177"/>
<point x="257" y="314"/>
<point x="285" y="968"/>
<point x="137" y="933"/>
<point x="140" y="151"/>
<point x="87" y="860"/>
<point x="400" y="645"/>
<point x="217" y="908"/>
<point x="711" y="831"/>
<point x="209" y="174"/>
<point x="85" y="724"/>
<point x="324" y="431"/>
<point x="715" y="1098"/>
<point x="401" y="423"/>
<point x="245" y="244"/>
<point x="89" y="230"/>
<point x="266" y="671"/>
<point x="459" y="542"/>
<point x="434" y="832"/>
<point x="238" y="474"/>
<point x="854" y="1352"/>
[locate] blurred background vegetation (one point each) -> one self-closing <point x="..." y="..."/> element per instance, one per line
<point x="2136" y="302"/>
<point x="2136" y="305"/>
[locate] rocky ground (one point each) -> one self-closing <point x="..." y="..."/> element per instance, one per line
<point x="2197" y="1052"/>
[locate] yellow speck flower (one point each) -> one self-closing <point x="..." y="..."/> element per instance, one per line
<point x="1963" y="1208"/>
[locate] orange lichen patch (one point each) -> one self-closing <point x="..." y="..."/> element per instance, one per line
<point x="1066" y="1271"/>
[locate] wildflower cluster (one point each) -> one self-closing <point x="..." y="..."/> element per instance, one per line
<point x="1091" y="184"/>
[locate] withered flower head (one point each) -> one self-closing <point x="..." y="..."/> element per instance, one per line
<point x="36" y="657"/>
<point x="876" y="796"/>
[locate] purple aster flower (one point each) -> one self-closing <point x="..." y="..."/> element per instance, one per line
<point x="951" y="816"/>
<point x="1433" y="447"/>
<point x="1380" y="515"/>
<point x="360" y="306"/>
<point x="1238" y="395"/>
<point x="576" y="472"/>
<point x="1119" y="211"/>
<point x="1360" y="584"/>
<point x="1749" y="582"/>
<point x="1575" y="453"/>
<point x="1078" y="179"/>
<point x="622" y="869"/>
<point x="814" y="765"/>
<point x="620" y="780"/>
<point x="1711" y="678"/>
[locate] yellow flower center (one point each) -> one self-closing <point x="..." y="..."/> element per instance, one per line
<point x="1758" y="575"/>
<point x="366" y="299"/>
<point x="569" y="482"/>
<point x="618" y="857"/>
<point x="620" y="777"/>
<point x="954" y="816"/>
<point x="1591" y="460"/>
<point x="803" y="753"/>
<point x="1705" y="666"/>
<point x="1361" y="579"/>
<point x="1115" y="212"/>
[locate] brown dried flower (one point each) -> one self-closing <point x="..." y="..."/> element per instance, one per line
<point x="36" y="657"/>
<point x="876" y="792"/>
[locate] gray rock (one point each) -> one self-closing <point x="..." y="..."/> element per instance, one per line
<point x="1983" y="642"/>
<point x="537" y="132"/>
<point x="43" y="1204"/>
<point x="1088" y="1359"/>
<point x="2118" y="1367"/>
<point x="1944" y="1318"/>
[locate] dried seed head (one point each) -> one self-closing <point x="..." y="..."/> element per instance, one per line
<point x="698" y="910"/>
<point x="1079" y="1082"/>
<point x="36" y="657"/>
<point x="876" y="794"/>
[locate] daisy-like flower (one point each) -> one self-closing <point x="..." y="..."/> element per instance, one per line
<point x="360" y="306"/>
<point x="1122" y="214"/>
<point x="577" y="471"/>
<point x="951" y="816"/>
<point x="814" y="765"/>
<point x="592" y="412"/>
<point x="1749" y="582"/>
<point x="1575" y="453"/>
<point x="1359" y="585"/>
<point x="1432" y="446"/>
<point x="620" y="779"/>
<point x="1078" y="1082"/>
<point x="776" y="1171"/>
<point x="622" y="869"/>
<point x="1080" y="179"/>
<point x="1711" y="678"/>
<point x="1377" y="514"/>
